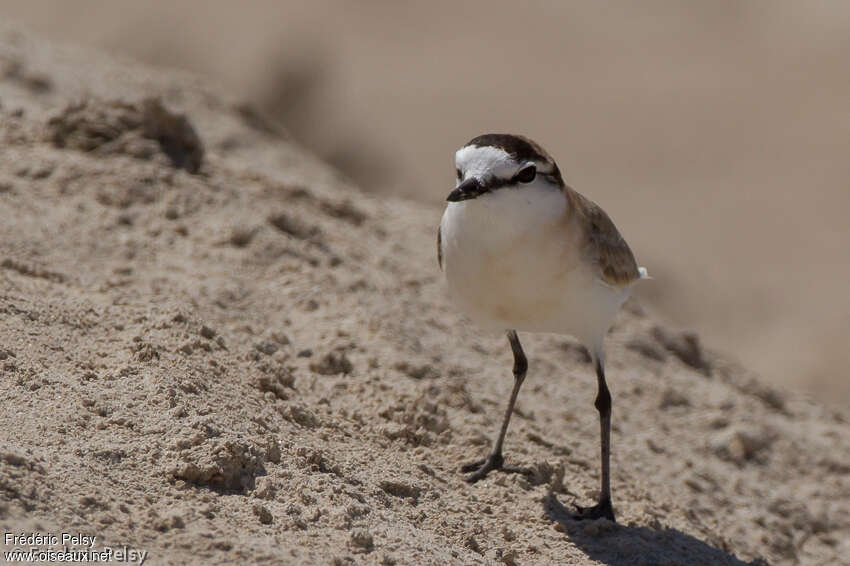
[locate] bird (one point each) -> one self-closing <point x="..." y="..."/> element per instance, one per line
<point x="521" y="251"/>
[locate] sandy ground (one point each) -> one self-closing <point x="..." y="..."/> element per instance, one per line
<point x="232" y="355"/>
<point x="715" y="133"/>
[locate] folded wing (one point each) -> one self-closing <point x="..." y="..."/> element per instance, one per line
<point x="603" y="244"/>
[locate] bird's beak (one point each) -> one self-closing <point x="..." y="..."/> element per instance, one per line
<point x="470" y="188"/>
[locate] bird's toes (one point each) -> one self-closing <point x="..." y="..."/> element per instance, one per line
<point x="472" y="466"/>
<point x="602" y="510"/>
<point x="481" y="468"/>
<point x="479" y="474"/>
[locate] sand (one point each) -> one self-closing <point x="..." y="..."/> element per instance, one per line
<point x="215" y="349"/>
<point x="714" y="133"/>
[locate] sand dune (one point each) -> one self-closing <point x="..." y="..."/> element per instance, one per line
<point x="714" y="133"/>
<point x="216" y="350"/>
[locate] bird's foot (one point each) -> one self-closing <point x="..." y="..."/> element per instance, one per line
<point x="601" y="510"/>
<point x="480" y="468"/>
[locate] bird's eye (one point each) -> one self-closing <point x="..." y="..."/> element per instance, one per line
<point x="527" y="175"/>
<point x="459" y="174"/>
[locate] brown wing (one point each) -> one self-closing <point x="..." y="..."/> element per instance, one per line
<point x="603" y="243"/>
<point x="440" y="246"/>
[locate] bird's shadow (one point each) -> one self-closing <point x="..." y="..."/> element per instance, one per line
<point x="619" y="545"/>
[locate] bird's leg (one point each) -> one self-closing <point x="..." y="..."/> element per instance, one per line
<point x="495" y="460"/>
<point x="603" y="405"/>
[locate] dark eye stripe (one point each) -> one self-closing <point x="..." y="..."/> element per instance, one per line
<point x="492" y="183"/>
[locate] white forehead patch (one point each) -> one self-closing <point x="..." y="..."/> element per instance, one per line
<point x="476" y="161"/>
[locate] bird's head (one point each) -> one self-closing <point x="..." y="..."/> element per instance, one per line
<point x="494" y="162"/>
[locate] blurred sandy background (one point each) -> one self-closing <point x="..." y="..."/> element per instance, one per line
<point x="716" y="134"/>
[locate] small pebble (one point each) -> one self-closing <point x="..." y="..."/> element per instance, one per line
<point x="263" y="514"/>
<point x="361" y="538"/>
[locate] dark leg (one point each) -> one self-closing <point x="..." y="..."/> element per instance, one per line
<point x="495" y="460"/>
<point x="603" y="405"/>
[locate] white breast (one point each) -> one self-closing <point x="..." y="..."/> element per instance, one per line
<point x="512" y="261"/>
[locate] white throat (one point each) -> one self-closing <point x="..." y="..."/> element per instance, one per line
<point x="508" y="215"/>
